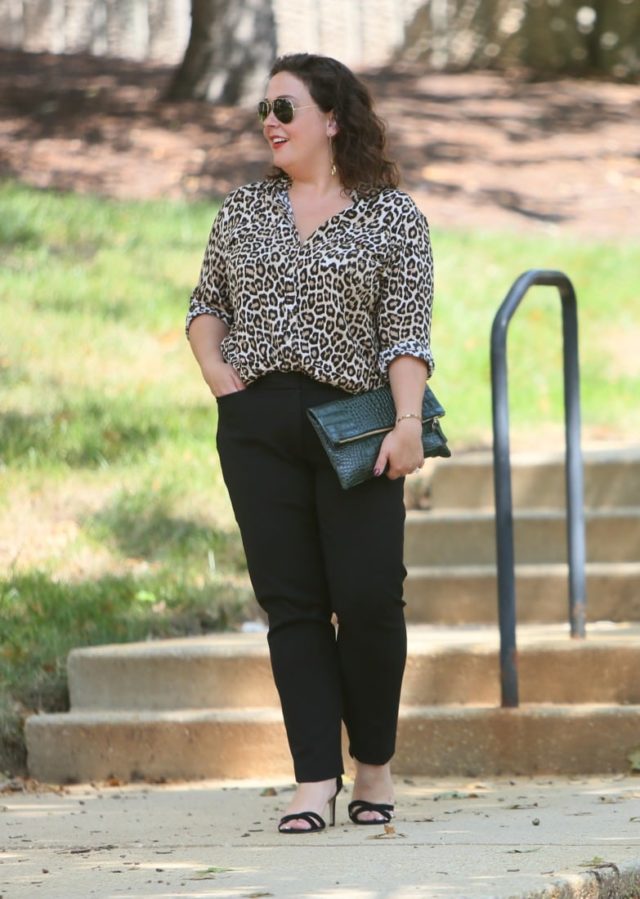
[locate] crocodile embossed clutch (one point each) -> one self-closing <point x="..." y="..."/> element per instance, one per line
<point x="351" y="431"/>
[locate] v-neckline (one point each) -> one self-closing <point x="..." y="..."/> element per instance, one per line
<point x="321" y="226"/>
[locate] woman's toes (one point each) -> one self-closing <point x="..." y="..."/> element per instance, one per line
<point x="371" y="816"/>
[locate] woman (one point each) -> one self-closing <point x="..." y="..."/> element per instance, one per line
<point x="317" y="284"/>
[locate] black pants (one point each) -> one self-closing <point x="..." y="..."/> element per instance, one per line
<point x="313" y="549"/>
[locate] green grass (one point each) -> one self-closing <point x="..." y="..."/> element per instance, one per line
<point x="474" y="273"/>
<point x="114" y="521"/>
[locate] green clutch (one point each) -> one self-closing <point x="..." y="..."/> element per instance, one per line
<point x="351" y="431"/>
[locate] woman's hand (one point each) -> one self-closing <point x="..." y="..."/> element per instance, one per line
<point x="222" y="378"/>
<point x="401" y="451"/>
<point x="206" y="334"/>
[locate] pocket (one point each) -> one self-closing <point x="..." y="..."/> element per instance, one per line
<point x="227" y="396"/>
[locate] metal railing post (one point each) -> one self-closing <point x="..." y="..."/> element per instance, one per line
<point x="502" y="471"/>
<point x="576" y="543"/>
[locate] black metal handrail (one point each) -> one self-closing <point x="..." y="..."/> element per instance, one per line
<point x="502" y="470"/>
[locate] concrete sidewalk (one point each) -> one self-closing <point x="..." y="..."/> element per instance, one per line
<point x="540" y="837"/>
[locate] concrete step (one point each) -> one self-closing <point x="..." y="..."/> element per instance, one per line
<point x="445" y="665"/>
<point x="468" y="537"/>
<point x="223" y="671"/>
<point x="461" y="665"/>
<point x="469" y="594"/>
<point x="432" y="741"/>
<point x="611" y="479"/>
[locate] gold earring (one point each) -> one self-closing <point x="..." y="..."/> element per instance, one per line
<point x="333" y="162"/>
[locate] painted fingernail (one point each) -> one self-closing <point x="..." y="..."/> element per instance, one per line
<point x="377" y="472"/>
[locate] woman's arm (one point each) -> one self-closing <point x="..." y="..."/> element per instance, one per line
<point x="206" y="333"/>
<point x="401" y="449"/>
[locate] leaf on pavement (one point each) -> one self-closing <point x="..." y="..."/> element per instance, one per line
<point x="523" y="851"/>
<point x="454" y="794"/>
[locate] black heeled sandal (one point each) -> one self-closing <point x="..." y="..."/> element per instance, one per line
<point x="358" y="806"/>
<point x="315" y="821"/>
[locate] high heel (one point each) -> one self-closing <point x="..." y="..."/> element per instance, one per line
<point x="315" y="821"/>
<point x="358" y="806"/>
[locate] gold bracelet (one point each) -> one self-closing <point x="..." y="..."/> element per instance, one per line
<point x="409" y="415"/>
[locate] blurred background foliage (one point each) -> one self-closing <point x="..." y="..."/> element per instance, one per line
<point x="225" y="47"/>
<point x="547" y="37"/>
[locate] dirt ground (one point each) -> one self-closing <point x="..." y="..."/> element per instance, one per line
<point x="476" y="150"/>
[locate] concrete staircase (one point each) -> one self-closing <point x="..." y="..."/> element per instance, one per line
<point x="207" y="707"/>
<point x="451" y="551"/>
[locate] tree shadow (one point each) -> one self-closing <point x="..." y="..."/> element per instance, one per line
<point x="141" y="525"/>
<point x="108" y="309"/>
<point x="86" y="435"/>
<point x="96" y="101"/>
<point x="520" y="108"/>
<point x="112" y="113"/>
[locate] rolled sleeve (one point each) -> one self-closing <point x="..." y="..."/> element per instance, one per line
<point x="404" y="312"/>
<point x="211" y="295"/>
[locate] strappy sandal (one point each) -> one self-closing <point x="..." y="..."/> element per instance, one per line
<point x="358" y="806"/>
<point x="315" y="821"/>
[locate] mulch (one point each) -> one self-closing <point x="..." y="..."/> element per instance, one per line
<point x="477" y="150"/>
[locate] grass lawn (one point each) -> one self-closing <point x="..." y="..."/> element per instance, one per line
<point x="114" y="522"/>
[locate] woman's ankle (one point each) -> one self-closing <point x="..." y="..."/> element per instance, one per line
<point x="372" y="772"/>
<point x="373" y="778"/>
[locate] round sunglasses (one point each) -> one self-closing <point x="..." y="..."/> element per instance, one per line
<point x="282" y="108"/>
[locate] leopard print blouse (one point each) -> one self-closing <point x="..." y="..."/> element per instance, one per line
<point x="338" y="307"/>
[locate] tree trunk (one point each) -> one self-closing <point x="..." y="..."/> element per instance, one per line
<point x="458" y="35"/>
<point x="231" y="47"/>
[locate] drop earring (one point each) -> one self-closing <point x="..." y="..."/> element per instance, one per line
<point x="333" y="162"/>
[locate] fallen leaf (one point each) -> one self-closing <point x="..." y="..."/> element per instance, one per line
<point x="522" y="851"/>
<point x="596" y="860"/>
<point x="269" y="791"/>
<point x="208" y="873"/>
<point x="454" y="794"/>
<point x="389" y="833"/>
<point x="80" y="850"/>
<point x="30" y="785"/>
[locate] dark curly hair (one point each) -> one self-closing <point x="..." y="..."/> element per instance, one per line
<point x="359" y="145"/>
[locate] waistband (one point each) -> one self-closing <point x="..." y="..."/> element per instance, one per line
<point x="288" y="380"/>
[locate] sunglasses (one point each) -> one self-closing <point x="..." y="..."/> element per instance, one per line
<point x="282" y="108"/>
